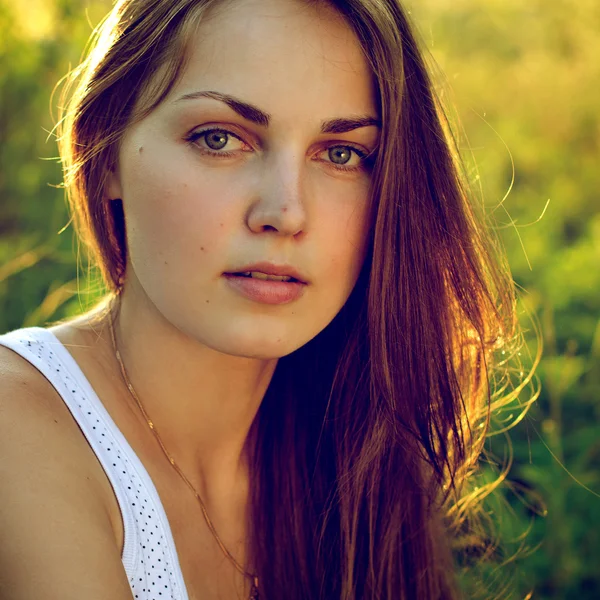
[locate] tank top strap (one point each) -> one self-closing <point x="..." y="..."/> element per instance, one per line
<point x="149" y="555"/>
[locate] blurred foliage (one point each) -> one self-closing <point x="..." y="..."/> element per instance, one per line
<point x="524" y="78"/>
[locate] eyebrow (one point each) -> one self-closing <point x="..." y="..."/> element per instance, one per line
<point x="260" y="117"/>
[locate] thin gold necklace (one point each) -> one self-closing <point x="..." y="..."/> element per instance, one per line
<point x="254" y="589"/>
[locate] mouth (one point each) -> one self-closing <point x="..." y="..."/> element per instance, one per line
<point x="265" y="277"/>
<point x="266" y="289"/>
<point x="269" y="271"/>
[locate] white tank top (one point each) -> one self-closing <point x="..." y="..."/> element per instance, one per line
<point x="149" y="555"/>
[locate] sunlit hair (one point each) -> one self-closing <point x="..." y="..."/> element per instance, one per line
<point x="367" y="442"/>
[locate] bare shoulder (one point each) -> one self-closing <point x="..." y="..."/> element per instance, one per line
<point x="33" y="414"/>
<point x="29" y="405"/>
<point x="58" y="540"/>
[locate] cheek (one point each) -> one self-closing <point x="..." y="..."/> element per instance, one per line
<point x="175" y="206"/>
<point x="345" y="238"/>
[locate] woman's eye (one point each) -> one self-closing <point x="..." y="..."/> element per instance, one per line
<point x="341" y="155"/>
<point x="222" y="143"/>
<point x="346" y="158"/>
<point x="215" y="140"/>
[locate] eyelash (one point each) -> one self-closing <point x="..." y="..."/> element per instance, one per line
<point x="366" y="163"/>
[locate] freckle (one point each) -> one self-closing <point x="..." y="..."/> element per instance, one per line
<point x="221" y="224"/>
<point x="202" y="248"/>
<point x="208" y="302"/>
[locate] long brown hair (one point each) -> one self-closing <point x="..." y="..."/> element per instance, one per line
<point x="360" y="470"/>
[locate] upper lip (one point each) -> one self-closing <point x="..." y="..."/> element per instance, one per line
<point x="271" y="269"/>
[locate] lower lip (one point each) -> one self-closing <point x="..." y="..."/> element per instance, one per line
<point x="264" y="291"/>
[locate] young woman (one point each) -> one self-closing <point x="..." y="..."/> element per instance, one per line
<point x="288" y="382"/>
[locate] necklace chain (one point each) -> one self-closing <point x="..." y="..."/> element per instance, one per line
<point x="253" y="578"/>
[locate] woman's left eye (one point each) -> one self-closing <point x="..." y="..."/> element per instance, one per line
<point x="346" y="158"/>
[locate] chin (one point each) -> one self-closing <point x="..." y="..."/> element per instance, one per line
<point x="263" y="350"/>
<point x="258" y="344"/>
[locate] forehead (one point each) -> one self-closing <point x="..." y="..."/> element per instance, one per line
<point x="291" y="58"/>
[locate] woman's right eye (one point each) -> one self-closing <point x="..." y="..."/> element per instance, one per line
<point x="214" y="141"/>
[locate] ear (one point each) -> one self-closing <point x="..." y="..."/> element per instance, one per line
<point x="113" y="190"/>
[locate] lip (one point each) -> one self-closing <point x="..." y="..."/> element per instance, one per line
<point x="271" y="269"/>
<point x="266" y="292"/>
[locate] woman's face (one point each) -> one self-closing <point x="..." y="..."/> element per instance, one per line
<point x="210" y="186"/>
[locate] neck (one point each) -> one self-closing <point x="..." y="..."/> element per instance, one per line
<point x="202" y="402"/>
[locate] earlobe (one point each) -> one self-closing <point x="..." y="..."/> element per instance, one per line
<point x="113" y="186"/>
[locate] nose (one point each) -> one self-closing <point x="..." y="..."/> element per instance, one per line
<point x="278" y="201"/>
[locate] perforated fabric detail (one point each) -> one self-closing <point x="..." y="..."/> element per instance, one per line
<point x="149" y="555"/>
